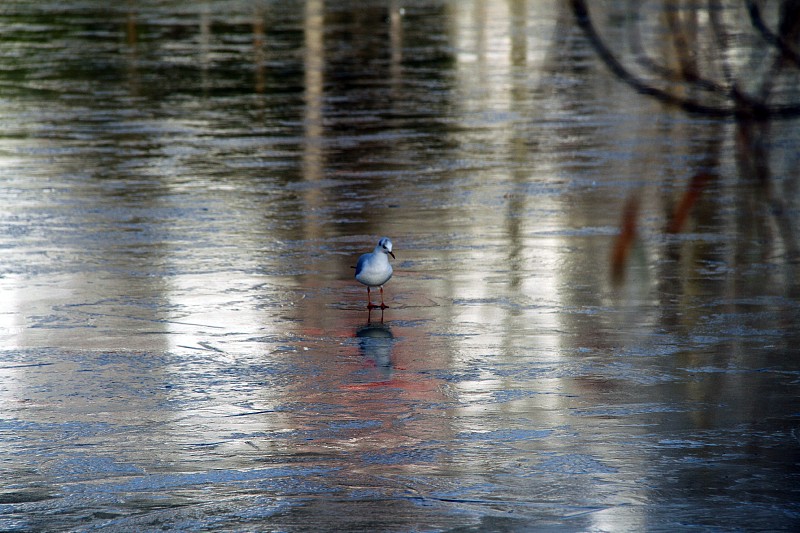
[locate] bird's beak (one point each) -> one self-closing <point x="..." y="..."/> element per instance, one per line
<point x="393" y="257"/>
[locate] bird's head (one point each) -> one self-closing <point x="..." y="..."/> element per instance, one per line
<point x="385" y="245"/>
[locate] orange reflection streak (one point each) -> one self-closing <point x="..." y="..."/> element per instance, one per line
<point x="696" y="186"/>
<point x="626" y="237"/>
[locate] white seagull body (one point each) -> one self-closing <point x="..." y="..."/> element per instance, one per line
<point x="373" y="269"/>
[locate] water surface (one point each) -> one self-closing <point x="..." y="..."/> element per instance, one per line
<point x="185" y="188"/>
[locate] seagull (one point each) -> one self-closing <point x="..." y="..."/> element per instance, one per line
<point x="373" y="269"/>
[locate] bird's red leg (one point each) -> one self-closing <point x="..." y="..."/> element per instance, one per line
<point x="383" y="305"/>
<point x="369" y="299"/>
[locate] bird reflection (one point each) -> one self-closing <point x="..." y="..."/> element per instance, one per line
<point x="375" y="342"/>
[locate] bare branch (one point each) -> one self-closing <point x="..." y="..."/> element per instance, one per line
<point x="789" y="24"/>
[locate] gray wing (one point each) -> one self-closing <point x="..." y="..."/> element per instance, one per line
<point x="360" y="264"/>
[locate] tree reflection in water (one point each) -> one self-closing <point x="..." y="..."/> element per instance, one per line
<point x="696" y="64"/>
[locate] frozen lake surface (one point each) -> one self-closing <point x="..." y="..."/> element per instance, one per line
<point x="184" y="188"/>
